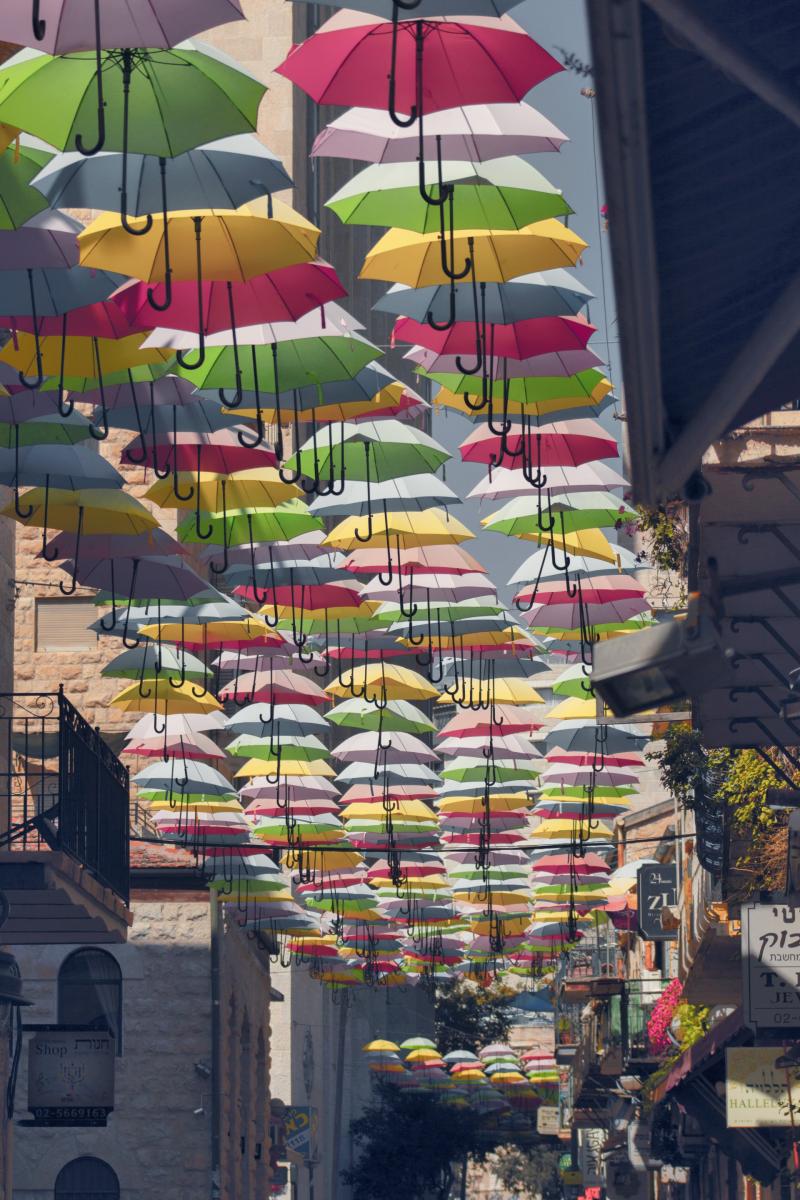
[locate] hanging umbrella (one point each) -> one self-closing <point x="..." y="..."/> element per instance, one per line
<point x="411" y="491"/>
<point x="577" y="735"/>
<point x="226" y="173"/>
<point x="588" y="477"/>
<point x="282" y="295"/>
<point x="507" y="193"/>
<point x="349" y="58"/>
<point x="46" y="241"/>
<point x="473" y="133"/>
<point x="538" y="294"/>
<point x="497" y="255"/>
<point x="370" y="451"/>
<point x="539" y="336"/>
<point x="18" y="200"/>
<point x="141" y="100"/>
<point x="562" y="443"/>
<point x="398" y="715"/>
<point x="64" y="26"/>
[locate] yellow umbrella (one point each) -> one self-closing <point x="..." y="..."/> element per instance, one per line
<point x="542" y="408"/>
<point x="322" y="863"/>
<point x="574" y="709"/>
<point x="475" y="804"/>
<point x="379" y="1043"/>
<point x="510" y="690"/>
<point x="385" y="681"/>
<point x="170" y="699"/>
<point x="427" y="528"/>
<point x="387" y="397"/>
<point x="235" y="244"/>
<point x="559" y="829"/>
<point x="84" y="357"/>
<point x="96" y="510"/>
<point x="260" y="487"/>
<point x="491" y="637"/>
<point x="589" y="543"/>
<point x="247" y="629"/>
<point x="402" y="809"/>
<point x="415" y="259"/>
<point x="195" y="804"/>
<point x="272" y="766"/>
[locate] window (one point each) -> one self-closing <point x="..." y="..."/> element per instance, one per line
<point x="87" y="1178"/>
<point x="62" y="625"/>
<point x="90" y="991"/>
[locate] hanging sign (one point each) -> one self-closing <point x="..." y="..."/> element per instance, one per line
<point x="771" y="965"/>
<point x="71" y="1077"/>
<point x="657" y="889"/>
<point x="301" y="1129"/>
<point x="548" y="1122"/>
<point x="757" y="1093"/>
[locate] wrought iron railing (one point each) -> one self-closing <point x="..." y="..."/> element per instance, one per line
<point x="593" y="962"/>
<point x="61" y="787"/>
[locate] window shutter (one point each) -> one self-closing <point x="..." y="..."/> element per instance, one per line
<point x="63" y="624"/>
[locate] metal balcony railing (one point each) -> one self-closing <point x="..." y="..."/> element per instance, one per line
<point x="593" y="962"/>
<point x="61" y="788"/>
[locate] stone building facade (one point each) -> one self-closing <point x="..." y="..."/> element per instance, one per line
<point x="191" y="1110"/>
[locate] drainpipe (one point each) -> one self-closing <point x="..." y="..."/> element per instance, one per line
<point x="338" y="1098"/>
<point x="216" y="1080"/>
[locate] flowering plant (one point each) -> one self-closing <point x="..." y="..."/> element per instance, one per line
<point x="658" y="1035"/>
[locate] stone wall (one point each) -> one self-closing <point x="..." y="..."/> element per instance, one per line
<point x="158" y="1139"/>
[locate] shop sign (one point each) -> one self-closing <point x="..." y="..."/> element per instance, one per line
<point x="71" y="1077"/>
<point x="771" y="965"/>
<point x="301" y="1130"/>
<point x="548" y="1122"/>
<point x="671" y="1174"/>
<point x="657" y="885"/>
<point x="757" y="1093"/>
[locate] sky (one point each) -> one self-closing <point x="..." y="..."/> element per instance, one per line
<point x="560" y="26"/>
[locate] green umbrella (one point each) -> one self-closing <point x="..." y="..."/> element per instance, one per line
<point x="399" y="716"/>
<point x="48" y="429"/>
<point x="371" y="451"/>
<point x="506" y="193"/>
<point x="306" y="361"/>
<point x="296" y="749"/>
<point x="581" y="510"/>
<point x="241" y="526"/>
<point x="18" y="166"/>
<point x="177" y="98"/>
<point x="530" y="390"/>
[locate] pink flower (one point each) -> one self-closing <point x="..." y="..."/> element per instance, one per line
<point x="661" y="1017"/>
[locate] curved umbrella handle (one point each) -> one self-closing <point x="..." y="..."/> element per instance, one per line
<point x="80" y="146"/>
<point x="402" y="122"/>
<point x="386" y="577"/>
<point x="441" y="327"/>
<point x="137" y="459"/>
<point x="131" y="645"/>
<point x="65" y="407"/>
<point x="39" y="26"/>
<point x="235" y="346"/>
<point x="244" y="440"/>
<point x="370" y="522"/>
<point x="70" y="588"/>
<point x="33" y="384"/>
<point x="203" y="536"/>
<point x="151" y="300"/>
<point x="201" y="354"/>
<point x="100" y="434"/>
<point x="103" y="620"/>
<point x="215" y="569"/>
<point x="184" y="497"/>
<point x="447" y="240"/>
<point x="480" y="322"/>
<point x="18" y="509"/>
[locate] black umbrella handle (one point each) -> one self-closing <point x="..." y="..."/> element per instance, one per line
<point x="440" y="327"/>
<point x="201" y="355"/>
<point x="22" y="513"/>
<point x="480" y="321"/>
<point x="151" y="300"/>
<point x="244" y="438"/>
<point x="404" y="122"/>
<point x="39" y="26"/>
<point x="65" y="407"/>
<point x="447" y="240"/>
<point x="81" y="147"/>
<point x="100" y="434"/>
<point x="33" y="384"/>
<point x="70" y="588"/>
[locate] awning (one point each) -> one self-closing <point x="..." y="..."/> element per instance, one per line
<point x="700" y="129"/>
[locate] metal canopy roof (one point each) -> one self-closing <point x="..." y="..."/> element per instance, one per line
<point x="749" y="558"/>
<point x="699" y="110"/>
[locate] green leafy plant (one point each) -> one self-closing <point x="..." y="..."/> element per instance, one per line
<point x="529" y="1172"/>
<point x="468" y="1016"/>
<point x="666" y="537"/>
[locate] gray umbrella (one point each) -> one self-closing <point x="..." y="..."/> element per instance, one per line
<point x="222" y="174"/>
<point x="539" y="294"/>
<point x="53" y="291"/>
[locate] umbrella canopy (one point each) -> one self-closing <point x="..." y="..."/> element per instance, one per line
<point x="472" y="133"/>
<point x="483" y="60"/>
<point x="67" y="25"/>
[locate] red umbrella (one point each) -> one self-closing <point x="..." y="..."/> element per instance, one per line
<point x="303" y="597"/>
<point x="282" y="295"/>
<point x="190" y="451"/>
<point x="509" y="718"/>
<point x="102" y="320"/>
<point x="630" y="759"/>
<point x="484" y="60"/>
<point x="560" y="444"/>
<point x="364" y="793"/>
<point x="523" y="339"/>
<point x="603" y="589"/>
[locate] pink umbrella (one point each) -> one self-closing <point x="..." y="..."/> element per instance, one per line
<point x="522" y="339"/>
<point x="103" y="319"/>
<point x="188" y="451"/>
<point x="439" y="586"/>
<point x="559" y="364"/>
<point x="401" y="747"/>
<point x="364" y="793"/>
<point x="309" y="787"/>
<point x="508" y="719"/>
<point x="280" y="687"/>
<point x="196" y="747"/>
<point x="589" y="477"/>
<point x="562" y="443"/>
<point x="282" y="295"/>
<point x="569" y="615"/>
<point x="484" y="60"/>
<point x="631" y="758"/>
<point x="574" y="776"/>
<point x="474" y="133"/>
